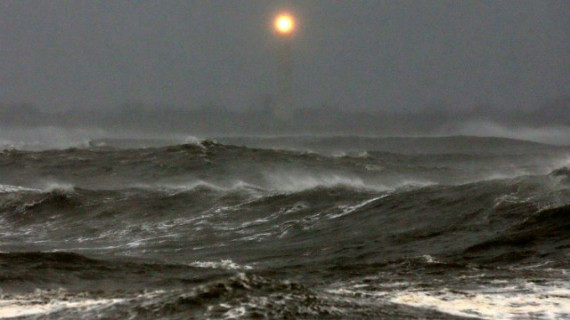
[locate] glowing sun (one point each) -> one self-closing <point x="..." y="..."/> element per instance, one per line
<point x="284" y="24"/>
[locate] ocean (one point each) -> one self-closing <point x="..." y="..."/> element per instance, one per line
<point x="286" y="228"/>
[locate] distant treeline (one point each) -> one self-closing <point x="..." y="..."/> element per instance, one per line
<point x="216" y="119"/>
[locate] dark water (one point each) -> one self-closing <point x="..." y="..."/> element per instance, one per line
<point x="208" y="230"/>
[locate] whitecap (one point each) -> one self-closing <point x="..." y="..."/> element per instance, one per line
<point x="51" y="186"/>
<point x="11" y="308"/>
<point x="300" y="181"/>
<point x="4" y="188"/>
<point x="530" y="301"/>
<point x="195" y="141"/>
<point x="224" y="264"/>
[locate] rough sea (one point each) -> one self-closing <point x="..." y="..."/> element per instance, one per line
<point x="286" y="228"/>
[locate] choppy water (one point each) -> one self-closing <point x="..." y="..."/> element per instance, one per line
<point x="208" y="230"/>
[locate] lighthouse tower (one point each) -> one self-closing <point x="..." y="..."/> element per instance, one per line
<point x="284" y="28"/>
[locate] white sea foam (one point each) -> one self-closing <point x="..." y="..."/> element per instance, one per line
<point x="235" y="313"/>
<point x="4" y="188"/>
<point x="499" y="299"/>
<point x="193" y="185"/>
<point x="374" y="168"/>
<point x="11" y="308"/>
<point x="287" y="182"/>
<point x="430" y="259"/>
<point x="50" y="186"/>
<point x="338" y="154"/>
<point x="225" y="264"/>
<point x="529" y="301"/>
<point x="299" y="181"/>
<point x="344" y="154"/>
<point x="193" y="141"/>
<point x="42" y="303"/>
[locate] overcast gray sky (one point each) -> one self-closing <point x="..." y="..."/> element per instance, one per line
<point x="373" y="55"/>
